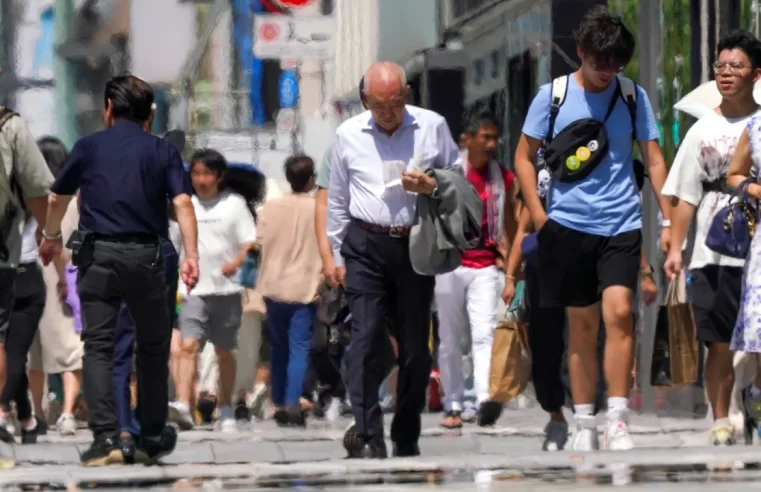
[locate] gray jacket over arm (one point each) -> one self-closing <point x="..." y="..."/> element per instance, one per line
<point x="445" y="226"/>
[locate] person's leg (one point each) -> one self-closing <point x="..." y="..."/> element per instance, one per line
<point x="482" y="302"/>
<point x="366" y="255"/>
<point x="145" y="293"/>
<point x="99" y="298"/>
<point x="7" y="296"/>
<point x="25" y="318"/>
<point x="618" y="269"/>
<point x="123" y="353"/>
<point x="451" y="301"/>
<point x="568" y="279"/>
<point x="278" y="318"/>
<point x="225" y="314"/>
<point x="299" y="340"/>
<point x="193" y="321"/>
<point x="413" y="294"/>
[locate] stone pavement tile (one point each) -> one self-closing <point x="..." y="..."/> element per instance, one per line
<point x="677" y="424"/>
<point x="442" y="446"/>
<point x="191" y="452"/>
<point x="655" y="441"/>
<point x="691" y="439"/>
<point x="311" y="451"/>
<point x="509" y="446"/>
<point x="40" y="454"/>
<point x="246" y="452"/>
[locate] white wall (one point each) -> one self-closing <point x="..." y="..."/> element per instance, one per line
<point x="405" y="27"/>
<point x="163" y="34"/>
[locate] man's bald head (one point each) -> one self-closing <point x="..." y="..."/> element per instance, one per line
<point x="385" y="78"/>
<point x="386" y="94"/>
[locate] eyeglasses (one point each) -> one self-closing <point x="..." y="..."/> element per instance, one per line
<point x="733" y="68"/>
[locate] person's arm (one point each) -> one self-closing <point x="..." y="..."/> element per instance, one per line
<point x="509" y="217"/>
<point x="652" y="158"/>
<point x="535" y="129"/>
<point x="245" y="232"/>
<point x="179" y="191"/>
<point x="338" y="202"/>
<point x="64" y="189"/>
<point x="740" y="167"/>
<point x="31" y="172"/>
<point x="515" y="258"/>
<point x="321" y="229"/>
<point x="448" y="152"/>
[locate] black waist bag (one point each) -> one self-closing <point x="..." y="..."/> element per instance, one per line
<point x="580" y="147"/>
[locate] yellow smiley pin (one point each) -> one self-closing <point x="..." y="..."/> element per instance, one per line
<point x="573" y="163"/>
<point x="583" y="153"/>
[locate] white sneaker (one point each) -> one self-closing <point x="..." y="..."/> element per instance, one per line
<point x="66" y="425"/>
<point x="333" y="412"/>
<point x="584" y="437"/>
<point x="616" y="436"/>
<point x="179" y="413"/>
<point x="227" y="422"/>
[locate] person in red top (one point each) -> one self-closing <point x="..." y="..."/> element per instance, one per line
<point x="468" y="297"/>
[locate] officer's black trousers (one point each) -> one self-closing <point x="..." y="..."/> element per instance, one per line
<point x="132" y="272"/>
<point x="379" y="275"/>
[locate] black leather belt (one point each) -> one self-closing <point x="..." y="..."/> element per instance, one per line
<point x="393" y="231"/>
<point x="25" y="267"/>
<point x="127" y="238"/>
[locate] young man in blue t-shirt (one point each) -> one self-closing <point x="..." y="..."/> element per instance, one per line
<point x="589" y="238"/>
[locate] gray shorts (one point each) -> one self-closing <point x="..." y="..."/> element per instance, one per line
<point x="212" y="318"/>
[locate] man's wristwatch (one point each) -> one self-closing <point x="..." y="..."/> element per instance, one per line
<point x="51" y="237"/>
<point x="666" y="223"/>
<point x="646" y="271"/>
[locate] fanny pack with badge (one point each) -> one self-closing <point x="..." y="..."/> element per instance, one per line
<point x="581" y="146"/>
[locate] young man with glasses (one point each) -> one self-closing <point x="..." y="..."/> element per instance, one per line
<point x="589" y="238"/>
<point x="697" y="182"/>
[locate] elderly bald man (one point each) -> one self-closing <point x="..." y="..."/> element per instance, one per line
<point x="378" y="163"/>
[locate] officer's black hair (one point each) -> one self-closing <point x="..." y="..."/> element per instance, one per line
<point x="604" y="37"/>
<point x="742" y="40"/>
<point x="54" y="152"/>
<point x="480" y="119"/>
<point x="131" y="98"/>
<point x="210" y="158"/>
<point x="299" y="169"/>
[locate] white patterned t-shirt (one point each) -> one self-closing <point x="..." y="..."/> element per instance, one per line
<point x="703" y="161"/>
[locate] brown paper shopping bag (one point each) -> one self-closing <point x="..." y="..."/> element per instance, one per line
<point x="682" y="343"/>
<point x="509" y="376"/>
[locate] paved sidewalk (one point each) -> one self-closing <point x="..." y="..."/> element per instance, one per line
<point x="265" y="451"/>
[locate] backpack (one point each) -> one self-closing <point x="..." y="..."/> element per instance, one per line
<point x="576" y="151"/>
<point x="10" y="201"/>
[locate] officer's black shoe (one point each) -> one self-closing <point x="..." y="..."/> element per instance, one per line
<point x="128" y="447"/>
<point x="42" y="426"/>
<point x="488" y="413"/>
<point x="373" y="451"/>
<point x="152" y="449"/>
<point x="406" y="450"/>
<point x="104" y="451"/>
<point x="29" y="436"/>
<point x="6" y="436"/>
<point x="357" y="448"/>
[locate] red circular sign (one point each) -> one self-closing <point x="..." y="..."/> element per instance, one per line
<point x="269" y="31"/>
<point x="290" y="4"/>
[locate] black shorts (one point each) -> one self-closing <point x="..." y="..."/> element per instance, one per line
<point x="575" y="267"/>
<point x="715" y="296"/>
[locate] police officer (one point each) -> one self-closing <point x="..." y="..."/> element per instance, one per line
<point x="124" y="176"/>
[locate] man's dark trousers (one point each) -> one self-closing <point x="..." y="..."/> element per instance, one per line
<point x="129" y="270"/>
<point x="125" y="343"/>
<point x="378" y="275"/>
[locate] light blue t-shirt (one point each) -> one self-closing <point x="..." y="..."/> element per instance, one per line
<point x="606" y="202"/>
<point x="323" y="174"/>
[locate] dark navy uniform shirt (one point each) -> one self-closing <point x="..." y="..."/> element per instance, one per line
<point x="124" y="176"/>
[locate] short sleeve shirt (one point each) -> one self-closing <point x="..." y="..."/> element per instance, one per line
<point x="607" y="202"/>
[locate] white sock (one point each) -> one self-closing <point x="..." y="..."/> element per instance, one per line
<point x="31" y="425"/>
<point x="618" y="404"/>
<point x="181" y="407"/>
<point x="754" y="391"/>
<point x="583" y="410"/>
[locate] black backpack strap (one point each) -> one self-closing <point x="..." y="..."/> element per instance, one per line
<point x="557" y="98"/>
<point x="613" y="101"/>
<point x="628" y="91"/>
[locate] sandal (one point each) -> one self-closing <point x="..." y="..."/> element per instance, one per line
<point x="452" y="420"/>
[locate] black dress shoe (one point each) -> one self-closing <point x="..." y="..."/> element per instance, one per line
<point x="372" y="451"/>
<point x="488" y="413"/>
<point x="406" y="450"/>
<point x="357" y="448"/>
<point x="153" y="448"/>
<point x="129" y="447"/>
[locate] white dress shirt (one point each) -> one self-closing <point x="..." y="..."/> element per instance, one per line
<point x="366" y="167"/>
